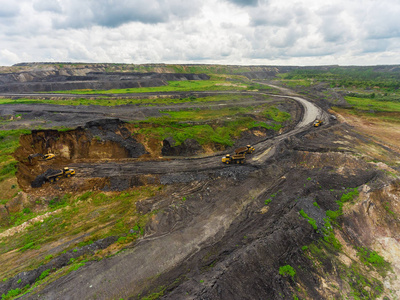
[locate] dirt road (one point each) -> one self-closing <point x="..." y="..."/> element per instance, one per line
<point x="262" y="153"/>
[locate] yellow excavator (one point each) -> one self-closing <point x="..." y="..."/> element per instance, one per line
<point x="47" y="156"/>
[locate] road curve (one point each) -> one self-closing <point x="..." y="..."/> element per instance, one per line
<point x="262" y="152"/>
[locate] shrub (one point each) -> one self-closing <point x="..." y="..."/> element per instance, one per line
<point x="26" y="210"/>
<point x="30" y="245"/>
<point x="373" y="258"/>
<point x="121" y="240"/>
<point x="11" y="294"/>
<point x="349" y="196"/>
<point x="44" y="274"/>
<point x="287" y="271"/>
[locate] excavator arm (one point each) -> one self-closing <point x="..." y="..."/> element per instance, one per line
<point x="32" y="156"/>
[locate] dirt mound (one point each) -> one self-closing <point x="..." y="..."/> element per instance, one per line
<point x="189" y="147"/>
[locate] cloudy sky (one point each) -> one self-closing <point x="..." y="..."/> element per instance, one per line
<point x="243" y="32"/>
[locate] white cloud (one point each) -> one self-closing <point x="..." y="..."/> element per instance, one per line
<point x="8" y="57"/>
<point x="305" y="32"/>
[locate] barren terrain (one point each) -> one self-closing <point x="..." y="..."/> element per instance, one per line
<point x="302" y="218"/>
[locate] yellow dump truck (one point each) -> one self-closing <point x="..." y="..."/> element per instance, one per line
<point x="245" y="150"/>
<point x="317" y="123"/>
<point x="66" y="172"/>
<point x="234" y="159"/>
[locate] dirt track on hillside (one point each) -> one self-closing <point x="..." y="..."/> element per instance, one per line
<point x="261" y="154"/>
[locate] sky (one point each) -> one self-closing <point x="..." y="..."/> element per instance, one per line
<point x="231" y="32"/>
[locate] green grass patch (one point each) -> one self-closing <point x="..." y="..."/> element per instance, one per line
<point x="29" y="245"/>
<point x="107" y="101"/>
<point x="296" y="82"/>
<point x="348" y="197"/>
<point x="231" y="122"/>
<point x="116" y="213"/>
<point x="44" y="274"/>
<point x="372" y="258"/>
<point x="287" y="270"/>
<point x="310" y="220"/>
<point x="9" y="142"/>
<point x="367" y="104"/>
<point x="267" y="201"/>
<point x="11" y="294"/>
<point x="173" y="86"/>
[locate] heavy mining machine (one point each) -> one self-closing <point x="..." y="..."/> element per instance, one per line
<point x="245" y="150"/>
<point x="234" y="159"/>
<point x="47" y="156"/>
<point x="317" y="123"/>
<point x="66" y="172"/>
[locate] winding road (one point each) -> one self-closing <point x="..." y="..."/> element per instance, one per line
<point x="263" y="151"/>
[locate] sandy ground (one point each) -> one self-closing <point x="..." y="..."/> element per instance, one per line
<point x="383" y="132"/>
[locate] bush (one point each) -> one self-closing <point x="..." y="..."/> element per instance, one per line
<point x="44" y="274"/>
<point x="349" y="196"/>
<point x="287" y="271"/>
<point x="11" y="294"/>
<point x="30" y="245"/>
<point x="26" y="210"/>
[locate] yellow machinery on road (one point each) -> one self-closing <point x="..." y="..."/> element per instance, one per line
<point x="245" y="150"/>
<point x="317" y="123"/>
<point x="239" y="157"/>
<point x="234" y="159"/>
<point x="66" y="172"/>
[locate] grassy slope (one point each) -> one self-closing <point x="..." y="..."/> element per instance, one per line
<point x="235" y="120"/>
<point x="113" y="102"/>
<point x="176" y="86"/>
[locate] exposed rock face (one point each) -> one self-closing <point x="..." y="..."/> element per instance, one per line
<point x="100" y="139"/>
<point x="104" y="138"/>
<point x="48" y="81"/>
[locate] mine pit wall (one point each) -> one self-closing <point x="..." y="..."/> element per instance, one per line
<point x="104" y="139"/>
<point x="54" y="81"/>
